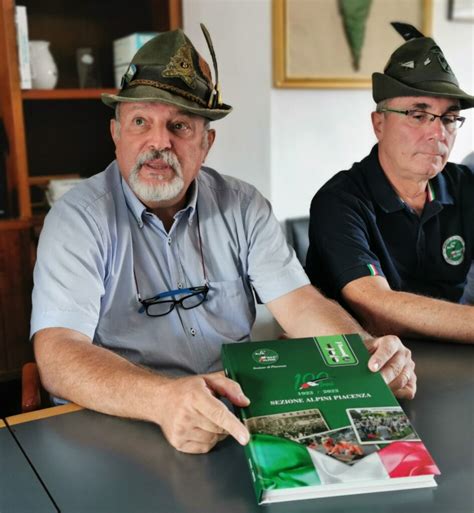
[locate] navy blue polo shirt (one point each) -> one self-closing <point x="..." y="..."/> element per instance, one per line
<point x="360" y="227"/>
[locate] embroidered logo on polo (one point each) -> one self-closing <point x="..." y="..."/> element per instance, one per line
<point x="181" y="66"/>
<point x="453" y="249"/>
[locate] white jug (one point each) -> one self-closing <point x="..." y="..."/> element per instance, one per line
<point x="44" y="72"/>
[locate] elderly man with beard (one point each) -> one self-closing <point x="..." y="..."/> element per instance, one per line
<point x="147" y="268"/>
<point x="393" y="237"/>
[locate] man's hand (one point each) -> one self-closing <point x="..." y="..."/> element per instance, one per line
<point x="193" y="419"/>
<point x="394" y="361"/>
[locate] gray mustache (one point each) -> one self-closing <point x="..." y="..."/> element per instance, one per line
<point x="166" y="156"/>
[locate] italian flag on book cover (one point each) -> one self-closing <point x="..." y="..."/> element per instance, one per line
<point x="321" y="422"/>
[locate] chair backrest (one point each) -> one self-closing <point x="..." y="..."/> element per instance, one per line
<point x="468" y="161"/>
<point x="297" y="235"/>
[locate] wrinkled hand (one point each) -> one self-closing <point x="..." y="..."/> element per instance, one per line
<point x="193" y="420"/>
<point x="394" y="361"/>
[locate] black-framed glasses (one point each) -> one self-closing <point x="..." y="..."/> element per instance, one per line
<point x="418" y="118"/>
<point x="165" y="302"/>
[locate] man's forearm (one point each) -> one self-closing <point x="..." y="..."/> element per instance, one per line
<point x="93" y="377"/>
<point x="313" y="314"/>
<point x="187" y="409"/>
<point x="406" y="314"/>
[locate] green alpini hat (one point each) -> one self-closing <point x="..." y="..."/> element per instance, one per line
<point x="418" y="68"/>
<point x="168" y="69"/>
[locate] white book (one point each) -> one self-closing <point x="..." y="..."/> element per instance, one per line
<point x="21" y="22"/>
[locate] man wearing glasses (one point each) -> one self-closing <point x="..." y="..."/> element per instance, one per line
<point x="393" y="237"/>
<point x="144" y="270"/>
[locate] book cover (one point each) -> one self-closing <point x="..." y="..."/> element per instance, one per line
<point x="21" y="22"/>
<point x="321" y="422"/>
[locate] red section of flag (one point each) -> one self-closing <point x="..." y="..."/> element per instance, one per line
<point x="402" y="459"/>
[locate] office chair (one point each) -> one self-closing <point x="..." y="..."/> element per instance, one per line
<point x="297" y="236"/>
<point x="32" y="393"/>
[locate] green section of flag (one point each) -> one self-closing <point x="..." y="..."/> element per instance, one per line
<point x="354" y="15"/>
<point x="281" y="463"/>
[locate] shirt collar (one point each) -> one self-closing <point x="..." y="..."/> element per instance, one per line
<point x="379" y="185"/>
<point x="388" y="199"/>
<point x="139" y="210"/>
<point x="439" y="190"/>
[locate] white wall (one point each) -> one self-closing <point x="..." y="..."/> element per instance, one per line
<point x="288" y="142"/>
<point x="240" y="31"/>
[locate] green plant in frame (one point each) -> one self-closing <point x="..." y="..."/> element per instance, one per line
<point x="354" y="16"/>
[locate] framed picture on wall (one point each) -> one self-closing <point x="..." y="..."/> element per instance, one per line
<point x="461" y="10"/>
<point x="339" y="43"/>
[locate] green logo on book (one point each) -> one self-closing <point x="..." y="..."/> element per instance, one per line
<point x="336" y="351"/>
<point x="265" y="356"/>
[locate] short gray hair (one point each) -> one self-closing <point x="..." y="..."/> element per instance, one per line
<point x="382" y="105"/>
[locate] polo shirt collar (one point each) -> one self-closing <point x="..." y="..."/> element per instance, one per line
<point x="439" y="190"/>
<point x="139" y="210"/>
<point x="388" y="199"/>
<point x="379" y="185"/>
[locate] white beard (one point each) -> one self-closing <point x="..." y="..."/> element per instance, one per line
<point x="156" y="192"/>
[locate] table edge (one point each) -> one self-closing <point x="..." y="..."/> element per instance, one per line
<point x="42" y="414"/>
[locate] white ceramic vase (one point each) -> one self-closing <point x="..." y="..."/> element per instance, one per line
<point x="44" y="72"/>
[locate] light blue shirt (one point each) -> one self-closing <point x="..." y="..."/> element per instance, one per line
<point x="84" y="271"/>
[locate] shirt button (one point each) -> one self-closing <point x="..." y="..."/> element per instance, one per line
<point x="193" y="332"/>
<point x="169" y="241"/>
<point x="180" y="285"/>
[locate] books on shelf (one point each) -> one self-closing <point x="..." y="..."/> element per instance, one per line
<point x="124" y="50"/>
<point x="321" y="422"/>
<point x="21" y="22"/>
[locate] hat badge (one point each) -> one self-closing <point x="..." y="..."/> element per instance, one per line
<point x="181" y="66"/>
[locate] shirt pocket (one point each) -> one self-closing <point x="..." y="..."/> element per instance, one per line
<point x="230" y="309"/>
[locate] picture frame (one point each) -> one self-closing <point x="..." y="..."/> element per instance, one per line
<point x="311" y="48"/>
<point x="461" y="10"/>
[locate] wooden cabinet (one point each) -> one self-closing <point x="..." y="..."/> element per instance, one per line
<point x="60" y="131"/>
<point x="15" y="296"/>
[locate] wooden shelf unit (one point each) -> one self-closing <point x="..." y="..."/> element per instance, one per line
<point x="65" y="94"/>
<point x="56" y="132"/>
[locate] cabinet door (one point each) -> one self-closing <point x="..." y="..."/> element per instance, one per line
<point x="15" y="297"/>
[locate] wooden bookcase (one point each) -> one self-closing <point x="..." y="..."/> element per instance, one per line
<point x="55" y="132"/>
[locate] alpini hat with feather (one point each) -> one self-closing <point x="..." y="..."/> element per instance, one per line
<point x="168" y="69"/>
<point x="418" y="68"/>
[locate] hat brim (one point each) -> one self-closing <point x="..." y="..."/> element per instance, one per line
<point x="385" y="87"/>
<point x="152" y="94"/>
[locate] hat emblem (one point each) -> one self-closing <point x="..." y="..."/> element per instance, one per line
<point x="408" y="64"/>
<point x="181" y="66"/>
<point x="436" y="50"/>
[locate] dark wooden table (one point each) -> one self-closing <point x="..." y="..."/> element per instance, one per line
<point x="20" y="488"/>
<point x="97" y="463"/>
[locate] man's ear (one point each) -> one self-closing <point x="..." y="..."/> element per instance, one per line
<point x="114" y="130"/>
<point x="378" y="121"/>
<point x="211" y="137"/>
